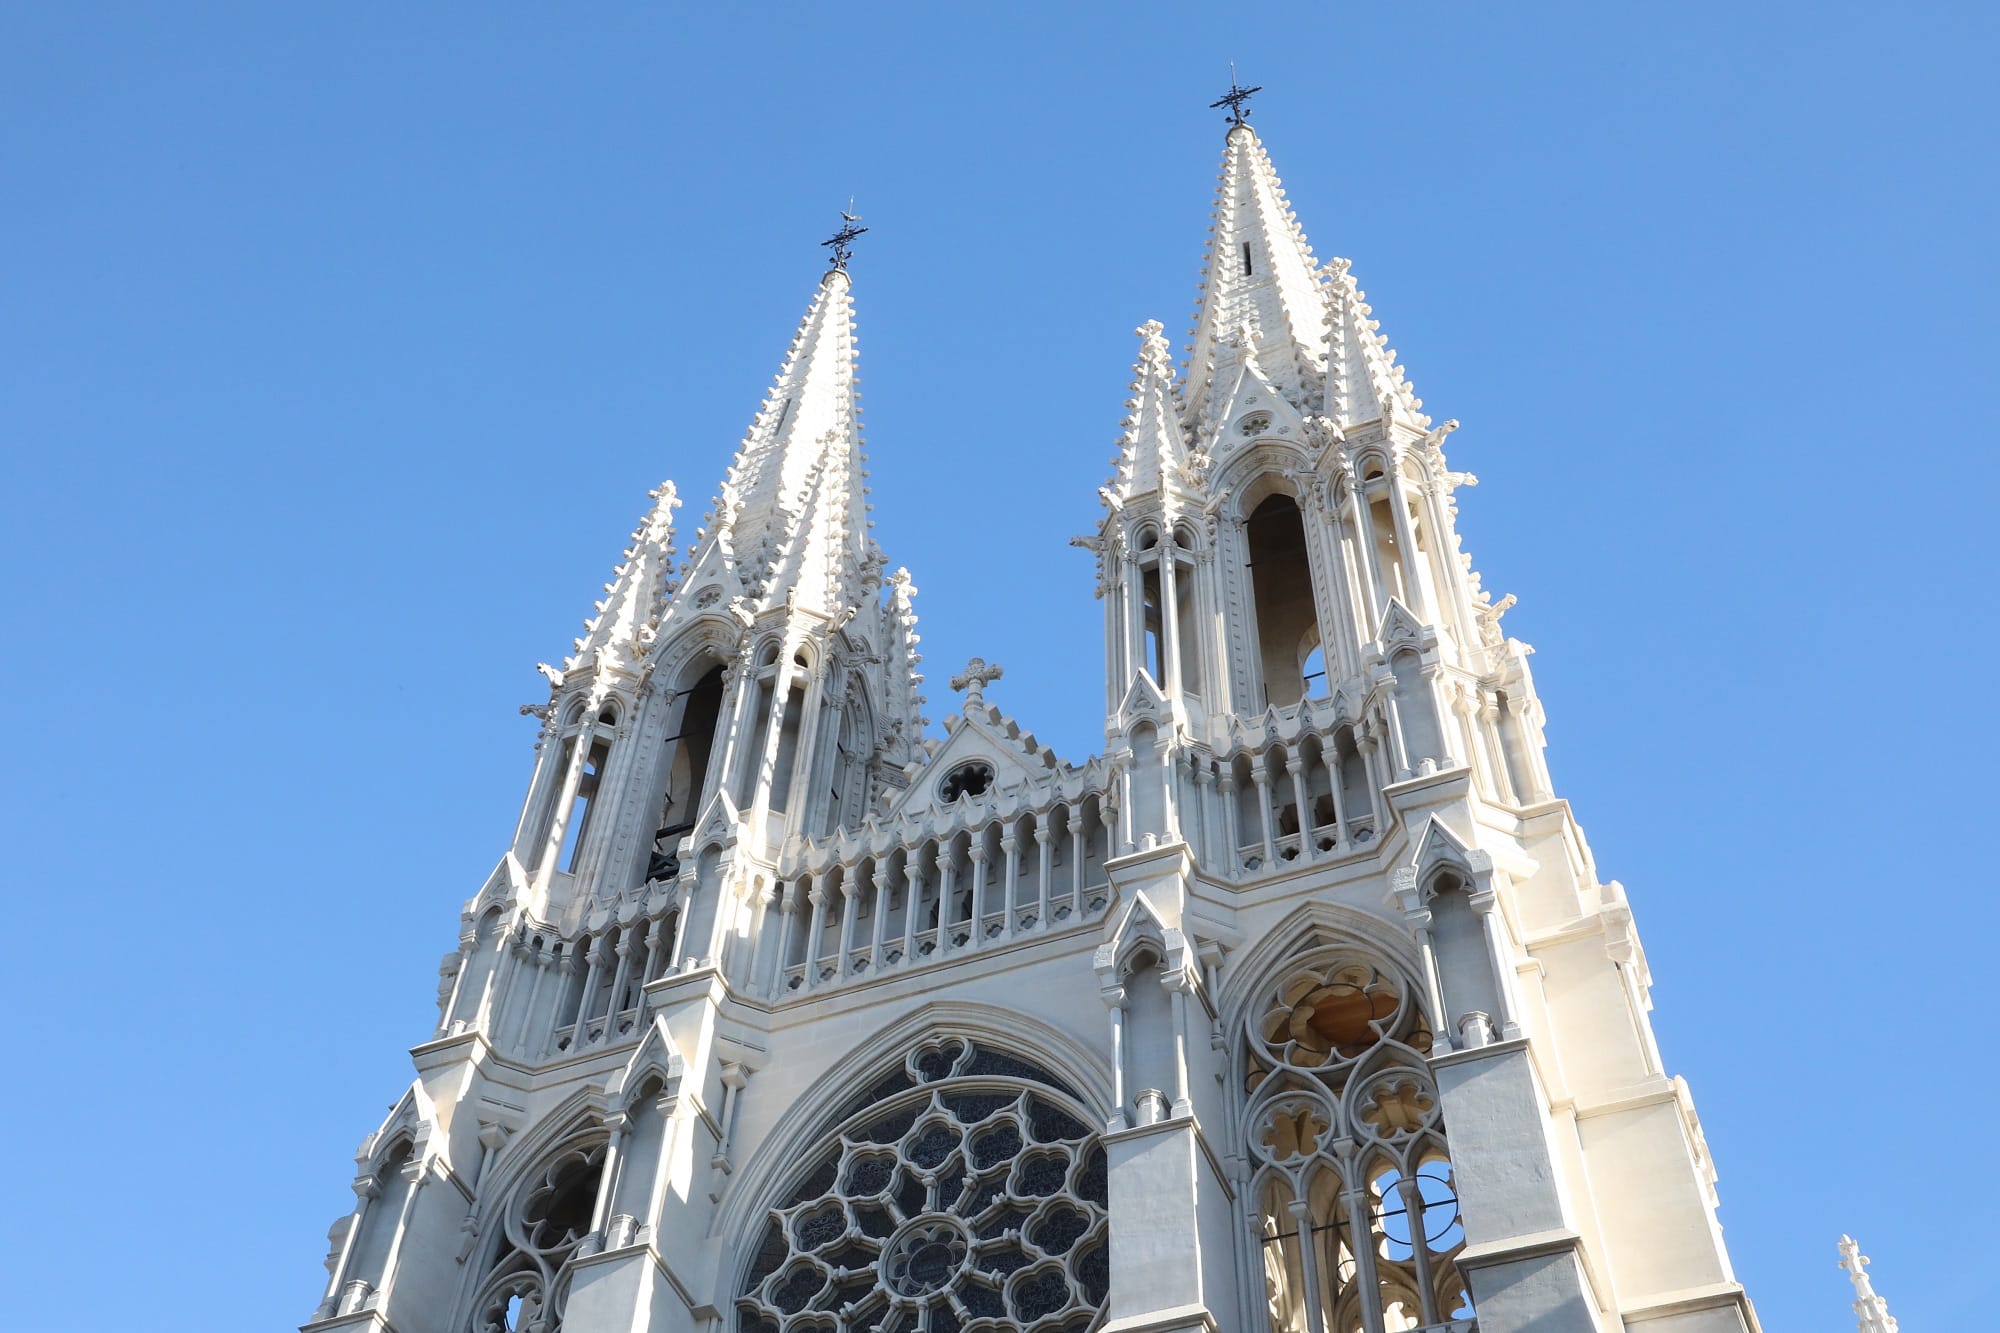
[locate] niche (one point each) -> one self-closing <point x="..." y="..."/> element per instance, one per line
<point x="379" y="1223"/>
<point x="1465" y="965"/>
<point x="1413" y="706"/>
<point x="1149" y="1037"/>
<point x="638" y="1164"/>
<point x="478" y="973"/>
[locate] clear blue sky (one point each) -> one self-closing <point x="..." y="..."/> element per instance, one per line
<point x="339" y="345"/>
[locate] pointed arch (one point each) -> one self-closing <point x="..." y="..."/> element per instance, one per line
<point x="1081" y="1068"/>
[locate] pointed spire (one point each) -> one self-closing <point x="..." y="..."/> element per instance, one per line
<point x="1152" y="452"/>
<point x="1364" y="383"/>
<point x="1870" y="1309"/>
<point x="638" y="591"/>
<point x="792" y="514"/>
<point x="1259" y="274"/>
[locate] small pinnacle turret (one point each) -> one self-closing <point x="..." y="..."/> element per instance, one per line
<point x="1152" y="452"/>
<point x="1364" y="383"/>
<point x="637" y="594"/>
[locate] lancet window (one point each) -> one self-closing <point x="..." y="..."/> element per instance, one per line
<point x="780" y="752"/>
<point x="543" y="1225"/>
<point x="588" y="763"/>
<point x="1358" y="1226"/>
<point x="1169" y="630"/>
<point x="965" y="1192"/>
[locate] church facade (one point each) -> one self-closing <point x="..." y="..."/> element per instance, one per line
<point x="1302" y="1008"/>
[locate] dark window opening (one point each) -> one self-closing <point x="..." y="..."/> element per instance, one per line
<point x="966" y="780"/>
<point x="687" y="772"/>
<point x="1282" y="592"/>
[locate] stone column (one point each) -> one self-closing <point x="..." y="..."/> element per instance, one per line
<point x="977" y="852"/>
<point x="815" y="933"/>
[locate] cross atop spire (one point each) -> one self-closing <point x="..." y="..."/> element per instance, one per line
<point x="842" y="241"/>
<point x="1237" y="99"/>
<point x="978" y="674"/>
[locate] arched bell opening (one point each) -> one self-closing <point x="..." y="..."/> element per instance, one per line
<point x="1282" y="593"/>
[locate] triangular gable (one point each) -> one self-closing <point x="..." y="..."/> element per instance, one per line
<point x="1442" y="845"/>
<point x="981" y="734"/>
<point x="655" y="1054"/>
<point x="1400" y="626"/>
<point x="1140" y="920"/>
<point x="1143" y="700"/>
<point x="413" y="1116"/>
<point x="1254" y="408"/>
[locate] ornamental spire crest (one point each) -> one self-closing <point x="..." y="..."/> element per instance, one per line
<point x="791" y="516"/>
<point x="1258" y="274"/>
<point x="637" y="594"/>
<point x="1871" y="1310"/>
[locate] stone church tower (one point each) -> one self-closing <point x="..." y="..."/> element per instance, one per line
<point x="1300" y="1009"/>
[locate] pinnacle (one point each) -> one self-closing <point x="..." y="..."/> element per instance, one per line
<point x="1364" y="383"/>
<point x="637" y="594"/>
<point x="1151" y="449"/>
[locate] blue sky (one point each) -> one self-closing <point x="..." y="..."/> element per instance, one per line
<point x="340" y="343"/>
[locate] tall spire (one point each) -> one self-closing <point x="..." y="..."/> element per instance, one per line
<point x="1870" y="1309"/>
<point x="1152" y="452"/>
<point x="637" y="594"/>
<point x="792" y="516"/>
<point x="1258" y="279"/>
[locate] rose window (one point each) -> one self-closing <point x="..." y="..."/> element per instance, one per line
<point x="966" y="1196"/>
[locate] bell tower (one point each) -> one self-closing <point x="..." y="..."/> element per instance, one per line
<point x="1300" y="1008"/>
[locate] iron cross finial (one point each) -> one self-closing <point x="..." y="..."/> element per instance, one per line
<point x="842" y="241"/>
<point x="975" y="678"/>
<point x="1236" y="99"/>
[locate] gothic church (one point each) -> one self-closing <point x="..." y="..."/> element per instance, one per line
<point x="1299" y="1009"/>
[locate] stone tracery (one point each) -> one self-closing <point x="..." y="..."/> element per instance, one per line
<point x="543" y="1228"/>
<point x="969" y="1196"/>
<point x="1358" y="1219"/>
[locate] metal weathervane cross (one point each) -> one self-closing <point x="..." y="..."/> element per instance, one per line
<point x="1236" y="99"/>
<point x="842" y="241"/>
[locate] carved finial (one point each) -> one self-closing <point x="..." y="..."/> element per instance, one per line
<point x="1871" y="1310"/>
<point x="974" y="680"/>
